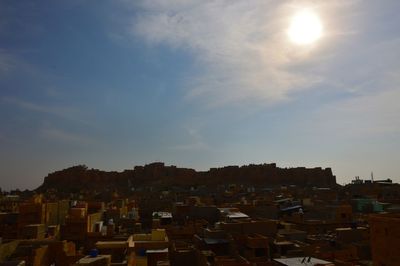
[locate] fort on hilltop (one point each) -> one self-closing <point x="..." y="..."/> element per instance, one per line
<point x="159" y="175"/>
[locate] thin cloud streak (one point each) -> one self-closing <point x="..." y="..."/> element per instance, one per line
<point x="68" y="113"/>
<point x="64" y="136"/>
<point x="197" y="142"/>
<point x="7" y="62"/>
<point x="368" y="116"/>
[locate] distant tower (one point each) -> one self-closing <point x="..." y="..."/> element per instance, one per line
<point x="372" y="177"/>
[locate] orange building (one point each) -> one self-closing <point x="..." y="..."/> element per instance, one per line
<point x="385" y="239"/>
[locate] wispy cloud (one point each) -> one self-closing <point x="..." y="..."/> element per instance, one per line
<point x="370" y="115"/>
<point x="64" y="136"/>
<point x="69" y="113"/>
<point x="241" y="45"/>
<point x="196" y="142"/>
<point x="7" y="62"/>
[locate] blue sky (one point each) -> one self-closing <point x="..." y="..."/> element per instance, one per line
<point x="200" y="84"/>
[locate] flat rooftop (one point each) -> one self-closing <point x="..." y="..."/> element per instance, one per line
<point x="302" y="261"/>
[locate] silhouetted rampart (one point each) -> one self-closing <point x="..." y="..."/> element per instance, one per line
<point x="158" y="175"/>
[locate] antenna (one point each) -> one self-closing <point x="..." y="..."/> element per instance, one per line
<point x="372" y="177"/>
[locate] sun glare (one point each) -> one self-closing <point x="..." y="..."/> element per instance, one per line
<point x="305" y="27"/>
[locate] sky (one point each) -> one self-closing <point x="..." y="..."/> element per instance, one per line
<point x="198" y="84"/>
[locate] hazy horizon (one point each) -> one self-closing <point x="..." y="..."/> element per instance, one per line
<point x="198" y="84"/>
<point x="346" y="181"/>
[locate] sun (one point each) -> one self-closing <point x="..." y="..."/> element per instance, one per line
<point x="305" y="27"/>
